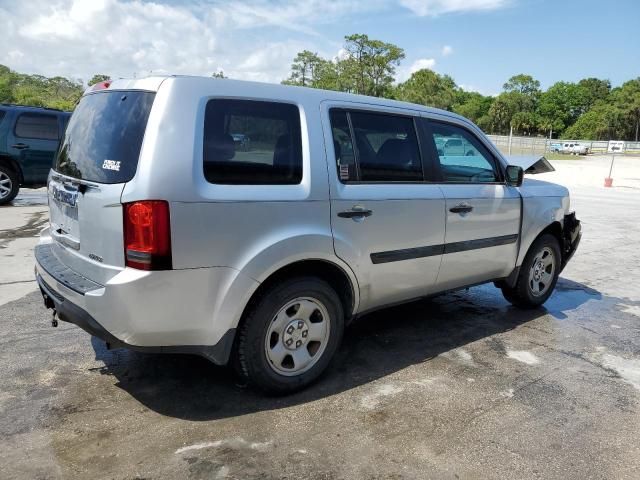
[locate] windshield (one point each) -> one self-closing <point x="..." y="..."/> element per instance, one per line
<point x="103" y="139"/>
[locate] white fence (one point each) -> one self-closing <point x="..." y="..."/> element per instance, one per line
<point x="540" y="145"/>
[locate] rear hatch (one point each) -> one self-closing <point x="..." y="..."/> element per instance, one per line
<point x="98" y="155"/>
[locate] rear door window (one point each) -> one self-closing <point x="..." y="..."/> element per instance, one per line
<point x="37" y="126"/>
<point x="386" y="147"/>
<point x="250" y="142"/>
<point x="103" y="138"/>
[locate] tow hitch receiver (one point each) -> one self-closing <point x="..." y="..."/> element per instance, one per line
<point x="48" y="303"/>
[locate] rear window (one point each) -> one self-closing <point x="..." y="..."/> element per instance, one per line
<point x="104" y="135"/>
<point x="38" y="126"/>
<point x="250" y="142"/>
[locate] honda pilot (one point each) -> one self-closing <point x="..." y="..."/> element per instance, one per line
<point x="170" y="231"/>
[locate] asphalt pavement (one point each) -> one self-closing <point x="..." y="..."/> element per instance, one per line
<point x="459" y="386"/>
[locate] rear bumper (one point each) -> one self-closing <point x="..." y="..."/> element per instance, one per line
<point x="70" y="312"/>
<point x="181" y="311"/>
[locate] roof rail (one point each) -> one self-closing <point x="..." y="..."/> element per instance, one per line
<point x="30" y="106"/>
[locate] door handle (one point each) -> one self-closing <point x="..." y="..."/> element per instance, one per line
<point x="461" y="208"/>
<point x="20" y="146"/>
<point x="355" y="213"/>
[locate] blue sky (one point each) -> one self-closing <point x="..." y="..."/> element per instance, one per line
<point x="480" y="43"/>
<point x="551" y="40"/>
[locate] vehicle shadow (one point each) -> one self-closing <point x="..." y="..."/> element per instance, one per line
<point x="374" y="346"/>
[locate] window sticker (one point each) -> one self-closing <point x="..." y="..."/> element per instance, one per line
<point x="111" y="165"/>
<point x="344" y="172"/>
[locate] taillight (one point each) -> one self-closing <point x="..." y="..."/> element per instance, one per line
<point x="101" y="85"/>
<point x="147" y="235"/>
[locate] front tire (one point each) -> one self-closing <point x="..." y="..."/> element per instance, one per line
<point x="9" y="185"/>
<point x="290" y="335"/>
<point x="538" y="274"/>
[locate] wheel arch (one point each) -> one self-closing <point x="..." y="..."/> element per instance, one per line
<point x="554" y="229"/>
<point x="306" y="252"/>
<point x="13" y="165"/>
<point x="329" y="271"/>
<point x="543" y="212"/>
<point x="335" y="275"/>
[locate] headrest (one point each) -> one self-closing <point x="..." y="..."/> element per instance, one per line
<point x="219" y="148"/>
<point x="393" y="149"/>
<point x="283" y="152"/>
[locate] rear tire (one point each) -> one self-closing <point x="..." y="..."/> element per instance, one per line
<point x="538" y="274"/>
<point x="290" y="335"/>
<point x="9" y="185"/>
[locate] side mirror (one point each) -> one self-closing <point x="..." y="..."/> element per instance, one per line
<point x="515" y="175"/>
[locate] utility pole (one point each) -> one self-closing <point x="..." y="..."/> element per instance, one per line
<point x="510" y="138"/>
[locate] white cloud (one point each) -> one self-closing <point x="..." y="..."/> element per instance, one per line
<point x="472" y="88"/>
<point x="77" y="38"/>
<point x="253" y="39"/>
<point x="403" y="73"/>
<point x="15" y="54"/>
<point x="341" y="55"/>
<point x="422" y="63"/>
<point x="273" y="60"/>
<point x="447" y="50"/>
<point x="433" y="8"/>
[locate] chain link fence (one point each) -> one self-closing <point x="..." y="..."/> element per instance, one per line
<point x="539" y="145"/>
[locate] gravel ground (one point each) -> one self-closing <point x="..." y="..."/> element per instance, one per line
<point x="460" y="386"/>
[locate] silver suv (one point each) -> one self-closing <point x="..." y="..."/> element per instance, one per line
<point x="168" y="234"/>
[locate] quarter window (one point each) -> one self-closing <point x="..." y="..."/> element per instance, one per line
<point x="463" y="159"/>
<point x="252" y="143"/>
<point x="343" y="146"/>
<point x="37" y="126"/>
<point x="386" y="147"/>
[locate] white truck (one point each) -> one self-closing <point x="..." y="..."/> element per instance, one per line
<point x="574" y="148"/>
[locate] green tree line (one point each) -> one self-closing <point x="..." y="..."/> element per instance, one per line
<point x="589" y="109"/>
<point x="39" y="91"/>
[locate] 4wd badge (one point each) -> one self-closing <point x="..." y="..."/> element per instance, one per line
<point x="111" y="165"/>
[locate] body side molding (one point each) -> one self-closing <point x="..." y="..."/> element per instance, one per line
<point x="431" y="250"/>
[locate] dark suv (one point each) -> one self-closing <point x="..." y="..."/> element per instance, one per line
<point x="29" y="138"/>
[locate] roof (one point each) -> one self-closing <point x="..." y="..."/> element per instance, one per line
<point x="153" y="84"/>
